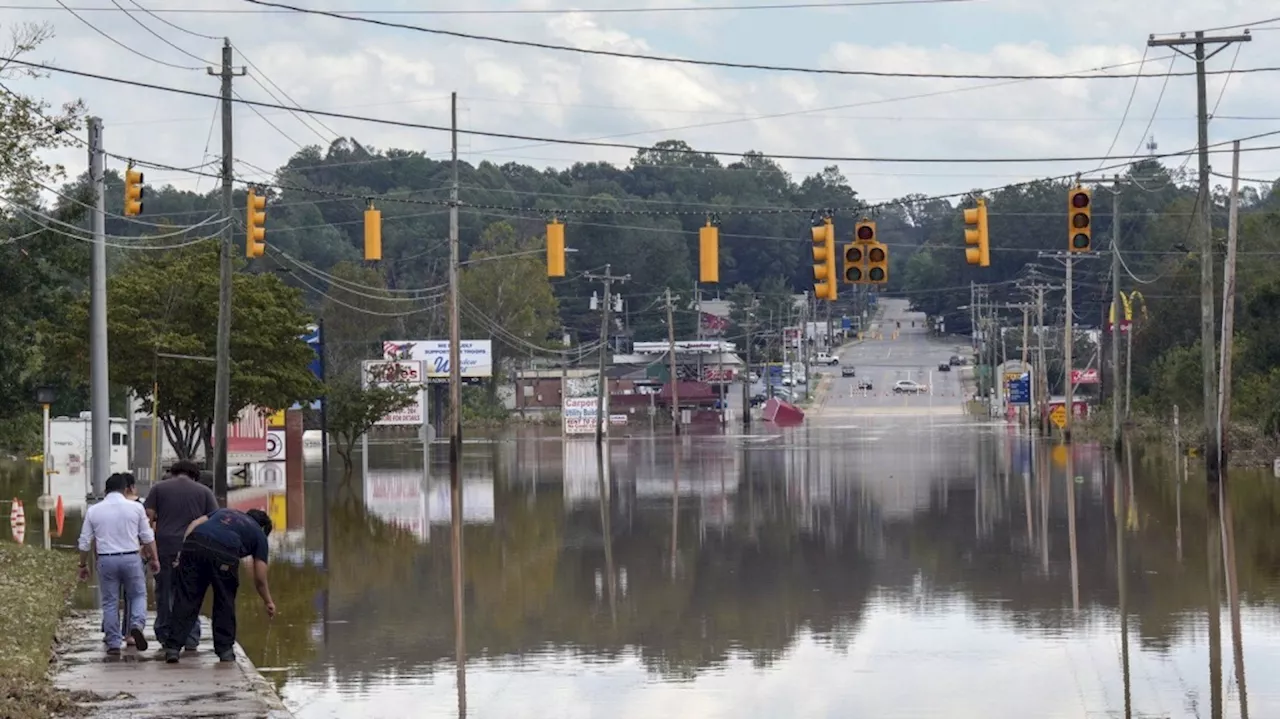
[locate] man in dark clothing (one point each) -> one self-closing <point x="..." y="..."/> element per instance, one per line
<point x="172" y="505"/>
<point x="210" y="556"/>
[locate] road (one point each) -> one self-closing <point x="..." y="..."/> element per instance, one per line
<point x="910" y="355"/>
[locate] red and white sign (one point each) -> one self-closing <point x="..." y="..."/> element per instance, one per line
<point x="1084" y="376"/>
<point x="399" y="373"/>
<point x="248" y="435"/>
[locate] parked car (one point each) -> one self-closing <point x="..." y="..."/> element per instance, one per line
<point x="864" y="384"/>
<point x="847" y="371"/>
<point x="906" y="386"/>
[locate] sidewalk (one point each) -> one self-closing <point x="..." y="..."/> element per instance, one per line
<point x="142" y="685"/>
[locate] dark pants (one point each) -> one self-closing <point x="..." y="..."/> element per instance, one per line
<point x="201" y="566"/>
<point x="165" y="580"/>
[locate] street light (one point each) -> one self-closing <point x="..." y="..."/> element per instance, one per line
<point x="46" y="396"/>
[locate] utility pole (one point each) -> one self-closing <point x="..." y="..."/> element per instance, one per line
<point x="671" y="358"/>
<point x="602" y="381"/>
<point x="746" y="374"/>
<point x="455" y="300"/>
<point x="1116" y="318"/>
<point x="99" y="400"/>
<point x="1228" y="310"/>
<point x="222" y="376"/>
<point x="1208" y="358"/>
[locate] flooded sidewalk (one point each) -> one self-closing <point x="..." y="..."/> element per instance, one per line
<point x="140" y="684"/>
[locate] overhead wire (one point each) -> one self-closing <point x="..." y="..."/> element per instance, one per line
<point x="158" y="36"/>
<point x="175" y="26"/>
<point x="689" y="61"/>
<point x="114" y="41"/>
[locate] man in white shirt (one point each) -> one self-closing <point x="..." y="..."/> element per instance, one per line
<point x="120" y="530"/>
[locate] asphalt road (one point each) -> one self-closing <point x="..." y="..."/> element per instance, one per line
<point x="910" y="355"/>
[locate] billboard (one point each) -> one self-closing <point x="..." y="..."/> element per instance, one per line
<point x="247" y="436"/>
<point x="386" y="374"/>
<point x="580" y="415"/>
<point x="476" y="356"/>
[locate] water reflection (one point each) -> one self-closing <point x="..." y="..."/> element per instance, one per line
<point x="967" y="573"/>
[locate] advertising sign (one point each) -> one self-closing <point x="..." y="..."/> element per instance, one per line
<point x="247" y="437"/>
<point x="1084" y="376"/>
<point x="580" y="415"/>
<point x="386" y="374"/>
<point x="476" y="356"/>
<point x="1020" y="389"/>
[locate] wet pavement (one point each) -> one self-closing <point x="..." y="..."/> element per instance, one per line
<point x="894" y="563"/>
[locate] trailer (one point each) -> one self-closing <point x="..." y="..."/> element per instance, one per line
<point x="71" y="448"/>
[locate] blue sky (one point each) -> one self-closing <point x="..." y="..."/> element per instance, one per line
<point x="325" y="63"/>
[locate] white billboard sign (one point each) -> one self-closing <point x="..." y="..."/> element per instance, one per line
<point x="580" y="415"/>
<point x="387" y="374"/>
<point x="476" y="356"/>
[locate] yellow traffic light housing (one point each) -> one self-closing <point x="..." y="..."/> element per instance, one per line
<point x="980" y="252"/>
<point x="133" y="191"/>
<point x="864" y="232"/>
<point x="854" y="257"/>
<point x="255" y="218"/>
<point x="1080" y="225"/>
<point x="709" y="253"/>
<point x="824" y="260"/>
<point x="877" y="263"/>
<point x="372" y="233"/>
<point x="555" y="248"/>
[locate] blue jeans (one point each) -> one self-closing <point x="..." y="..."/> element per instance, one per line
<point x="114" y="572"/>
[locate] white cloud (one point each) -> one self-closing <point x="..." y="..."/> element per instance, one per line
<point x="408" y="76"/>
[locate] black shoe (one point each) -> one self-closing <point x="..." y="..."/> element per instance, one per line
<point x="113" y="651"/>
<point x="170" y="656"/>
<point x="227" y="655"/>
<point x="139" y="640"/>
<point x="191" y="646"/>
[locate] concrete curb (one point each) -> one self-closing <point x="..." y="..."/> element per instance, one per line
<point x="140" y="684"/>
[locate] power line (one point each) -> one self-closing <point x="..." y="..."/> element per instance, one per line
<point x="139" y="53"/>
<point x="708" y="63"/>
<point x="175" y="26"/>
<point x="158" y="36"/>
<point x="620" y="145"/>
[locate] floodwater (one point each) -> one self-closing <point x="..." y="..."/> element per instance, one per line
<point x="897" y="568"/>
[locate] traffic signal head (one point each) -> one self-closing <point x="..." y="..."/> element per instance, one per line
<point x="255" y="217"/>
<point x="555" y="249"/>
<point x="980" y="252"/>
<point x="865" y="231"/>
<point x="709" y="253"/>
<point x="824" y="260"/>
<point x="133" y="192"/>
<point x="372" y="234"/>
<point x="877" y="263"/>
<point x="854" y="257"/>
<point x="1080" y="226"/>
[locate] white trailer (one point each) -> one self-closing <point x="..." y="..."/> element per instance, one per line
<point x="71" y="448"/>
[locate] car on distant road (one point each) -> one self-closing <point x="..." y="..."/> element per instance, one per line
<point x="956" y="360"/>
<point x="864" y="384"/>
<point x="826" y="358"/>
<point x="906" y="386"/>
<point x="848" y="371"/>
<point x="944" y="367"/>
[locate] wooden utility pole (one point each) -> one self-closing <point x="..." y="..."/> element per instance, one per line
<point x="1201" y="223"/>
<point x="602" y="381"/>
<point x="1228" y="310"/>
<point x="1117" y="319"/>
<point x="671" y="359"/>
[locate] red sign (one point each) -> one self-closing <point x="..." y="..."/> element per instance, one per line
<point x="1084" y="376"/>
<point x="248" y="435"/>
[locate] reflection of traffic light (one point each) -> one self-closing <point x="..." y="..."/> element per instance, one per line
<point x="555" y="248"/>
<point x="824" y="260"/>
<point x="1080" y="201"/>
<point x="877" y="263"/>
<point x="980" y="253"/>
<point x="255" y="217"/>
<point x="372" y="233"/>
<point x="853" y="259"/>
<point x="133" y="192"/>
<point x="709" y="253"/>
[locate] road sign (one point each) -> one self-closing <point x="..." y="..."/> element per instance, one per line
<point x="1058" y="415"/>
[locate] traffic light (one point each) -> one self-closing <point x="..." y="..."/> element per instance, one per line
<point x="255" y="217"/>
<point x="864" y="232"/>
<point x="133" y="191"/>
<point x="709" y="253"/>
<point x="824" y="260"/>
<point x="372" y="233"/>
<point x="980" y="253"/>
<point x="555" y="248"/>
<point x="1080" y="201"/>
<point x="877" y="263"/>
<point x="853" y="259"/>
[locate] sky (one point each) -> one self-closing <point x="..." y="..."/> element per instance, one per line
<point x="396" y="74"/>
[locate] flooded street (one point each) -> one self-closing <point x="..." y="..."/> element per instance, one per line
<point x="882" y="567"/>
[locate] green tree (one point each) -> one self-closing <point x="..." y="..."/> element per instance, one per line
<point x="354" y="407"/>
<point x="168" y="303"/>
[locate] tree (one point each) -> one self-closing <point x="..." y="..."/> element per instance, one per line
<point x="168" y="303"/>
<point x="354" y="407"/>
<point x="506" y="295"/>
<point x="356" y="314"/>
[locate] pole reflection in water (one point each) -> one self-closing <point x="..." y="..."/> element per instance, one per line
<point x="459" y="625"/>
<point x="1233" y="594"/>
<point x="1042" y="479"/>
<point x="1121" y="511"/>
<point x="1071" y="527"/>
<point x="676" y="450"/>
<point x="606" y="528"/>
<point x="1214" y="603"/>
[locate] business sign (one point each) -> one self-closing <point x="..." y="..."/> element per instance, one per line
<point x="1020" y="389"/>
<point x="398" y="374"/>
<point x="247" y="436"/>
<point x="275" y="445"/>
<point x="1084" y="376"/>
<point x="580" y="415"/>
<point x="476" y="356"/>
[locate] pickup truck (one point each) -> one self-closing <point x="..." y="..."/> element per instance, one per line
<point x="826" y="358"/>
